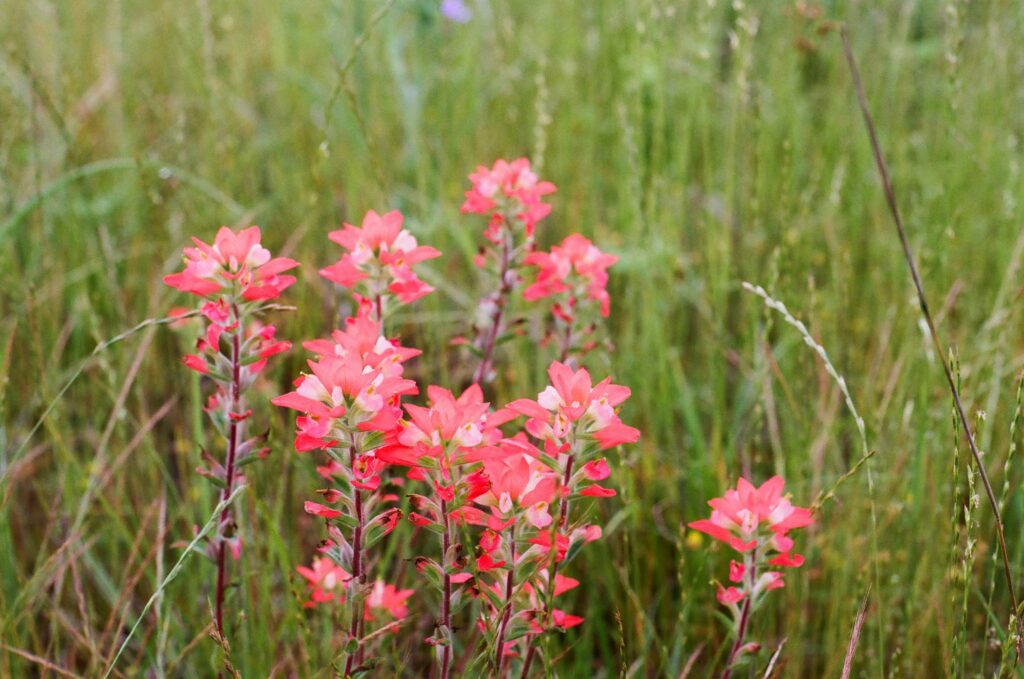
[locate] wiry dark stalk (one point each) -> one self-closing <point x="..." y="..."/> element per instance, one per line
<point x="505" y="286"/>
<point x="563" y="507"/>
<point x="358" y="576"/>
<point x="530" y="652"/>
<point x="890" y="198"/>
<point x="563" y="521"/>
<point x="741" y="631"/>
<point x="446" y="595"/>
<point x="563" y="355"/>
<point x="229" y="467"/>
<point x="499" y="653"/>
<point x="858" y="625"/>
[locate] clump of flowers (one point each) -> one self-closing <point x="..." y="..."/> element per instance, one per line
<point x="574" y="420"/>
<point x="442" y="443"/>
<point x="348" y="402"/>
<point x="755" y="522"/>
<point x="511" y="196"/>
<point x="574" y="276"/>
<point x="235" y="277"/>
<point x="349" y="406"/>
<point x="235" y="266"/>
<point x="490" y="487"/>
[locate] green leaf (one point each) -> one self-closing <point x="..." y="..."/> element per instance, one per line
<point x="371" y="441"/>
<point x="215" y="480"/>
<point x="574" y="549"/>
<point x="517" y="628"/>
<point x="345" y="521"/>
<point x="551" y="462"/>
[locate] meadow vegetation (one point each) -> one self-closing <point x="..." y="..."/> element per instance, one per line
<point x="704" y="143"/>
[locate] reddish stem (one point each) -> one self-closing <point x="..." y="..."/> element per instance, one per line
<point x="499" y="654"/>
<point x="563" y="521"/>
<point x="358" y="576"/>
<point x="741" y="631"/>
<point x="505" y="286"/>
<point x="528" y="661"/>
<point x="563" y="508"/>
<point x="563" y="355"/>
<point x="229" y="467"/>
<point x="446" y="597"/>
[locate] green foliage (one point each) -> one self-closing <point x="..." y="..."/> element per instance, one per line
<point x="693" y="139"/>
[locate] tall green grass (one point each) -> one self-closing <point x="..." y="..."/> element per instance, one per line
<point x="707" y="143"/>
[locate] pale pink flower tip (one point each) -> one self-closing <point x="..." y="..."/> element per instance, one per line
<point x="326" y="581"/>
<point x="730" y="595"/>
<point x="388" y="598"/>
<point x="576" y="268"/>
<point x="382" y="253"/>
<point x="739" y="514"/>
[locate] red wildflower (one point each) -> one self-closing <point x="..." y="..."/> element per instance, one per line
<point x="382" y="254"/>
<point x="233" y="260"/>
<point x="327" y="581"/>
<point x="388" y="598"/>
<point x="571" y="402"/>
<point x="576" y="268"/>
<point x="508" y="190"/>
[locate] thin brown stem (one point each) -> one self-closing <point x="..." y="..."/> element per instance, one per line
<point x="750" y="577"/>
<point x="229" y="467"/>
<point x="563" y="355"/>
<point x="358" y="576"/>
<point x="499" y="653"/>
<point x="527" y="661"/>
<point x="563" y="521"/>
<point x="890" y="197"/>
<point x="505" y="285"/>
<point x="446" y="595"/>
<point x="858" y="625"/>
<point x="378" y="305"/>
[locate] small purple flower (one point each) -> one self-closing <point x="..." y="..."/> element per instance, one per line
<point x="456" y="10"/>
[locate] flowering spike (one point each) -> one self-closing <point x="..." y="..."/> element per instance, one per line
<point x="378" y="260"/>
<point x="754" y="521"/>
<point x="233" y="275"/>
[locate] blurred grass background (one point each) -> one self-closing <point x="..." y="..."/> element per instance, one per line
<point x="705" y="142"/>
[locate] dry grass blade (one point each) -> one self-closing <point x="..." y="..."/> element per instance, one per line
<point x="42" y="662"/>
<point x="771" y="670"/>
<point x="100" y="348"/>
<point x="691" y="661"/>
<point x="890" y="198"/>
<point x="778" y="306"/>
<point x="173" y="574"/>
<point x="858" y="625"/>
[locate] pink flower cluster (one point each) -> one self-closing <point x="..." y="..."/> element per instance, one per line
<point x="465" y="473"/>
<point x="494" y="499"/>
<point x="573" y="275"/>
<point x="379" y="258"/>
<point x="235" y="264"/>
<point x="572" y="408"/>
<point x="507" y="192"/>
<point x="572" y="272"/>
